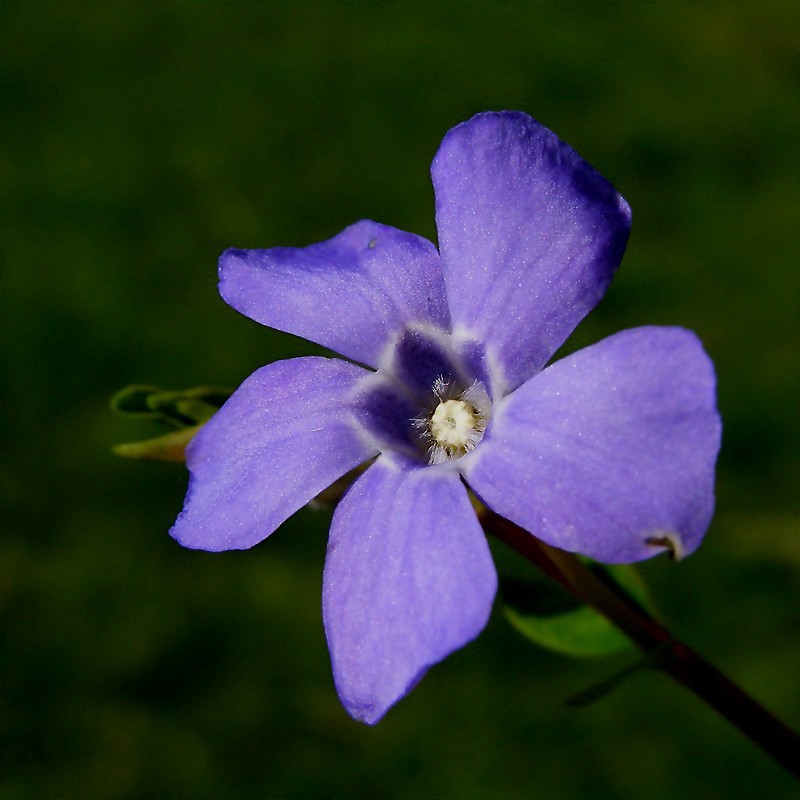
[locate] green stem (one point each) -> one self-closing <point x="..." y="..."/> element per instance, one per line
<point x="662" y="648"/>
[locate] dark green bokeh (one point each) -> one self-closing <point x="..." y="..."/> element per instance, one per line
<point x="138" y="140"/>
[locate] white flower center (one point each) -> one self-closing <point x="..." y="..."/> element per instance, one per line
<point x="453" y="424"/>
<point x="457" y="423"/>
<point x="429" y="400"/>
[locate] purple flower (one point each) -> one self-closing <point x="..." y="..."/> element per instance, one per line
<point x="609" y="452"/>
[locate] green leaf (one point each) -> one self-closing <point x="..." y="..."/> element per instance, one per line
<point x="597" y="691"/>
<point x="600" y="689"/>
<point x="547" y="614"/>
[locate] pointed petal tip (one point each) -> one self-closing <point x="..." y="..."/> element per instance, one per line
<point x="193" y="536"/>
<point x="226" y="258"/>
<point x="371" y="711"/>
<point x="193" y="540"/>
<point x="366" y="713"/>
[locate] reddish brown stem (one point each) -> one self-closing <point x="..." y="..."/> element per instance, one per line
<point x="663" y="649"/>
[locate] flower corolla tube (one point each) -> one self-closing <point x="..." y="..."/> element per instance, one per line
<point x="608" y="452"/>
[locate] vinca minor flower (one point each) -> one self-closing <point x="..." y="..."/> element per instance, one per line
<point x="608" y="452"/>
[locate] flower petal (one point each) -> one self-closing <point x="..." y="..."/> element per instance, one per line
<point x="419" y="360"/>
<point x="388" y="415"/>
<point x="408" y="579"/>
<point x="350" y="293"/>
<point x="529" y="234"/>
<point x="285" y="435"/>
<point x="609" y="452"/>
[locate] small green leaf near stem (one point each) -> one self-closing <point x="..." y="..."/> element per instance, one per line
<point x="552" y="617"/>
<point x="663" y="651"/>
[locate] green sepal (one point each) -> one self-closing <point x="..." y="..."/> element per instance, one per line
<point x="134" y="400"/>
<point x="169" y="447"/>
<point x="185" y="411"/>
<point x="198" y="411"/>
<point x="547" y="614"/>
<point x="178" y="409"/>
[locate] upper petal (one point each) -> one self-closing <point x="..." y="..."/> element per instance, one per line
<point x="350" y="293"/>
<point x="529" y="235"/>
<point x="609" y="450"/>
<point x="408" y="579"/>
<point x="285" y="435"/>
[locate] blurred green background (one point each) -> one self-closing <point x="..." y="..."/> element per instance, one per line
<point x="138" y="140"/>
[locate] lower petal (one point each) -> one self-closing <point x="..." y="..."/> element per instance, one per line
<point x="611" y="451"/>
<point x="408" y="579"/>
<point x="286" y="434"/>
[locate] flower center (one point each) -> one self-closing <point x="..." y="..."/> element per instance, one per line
<point x="453" y="423"/>
<point x="429" y="399"/>
<point x="457" y="423"/>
